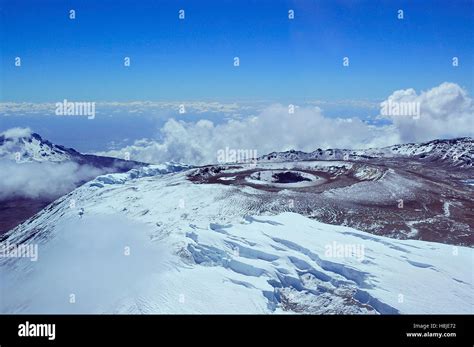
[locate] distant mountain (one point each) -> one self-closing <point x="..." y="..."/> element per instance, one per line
<point x="34" y="148"/>
<point x="457" y="152"/>
<point x="31" y="149"/>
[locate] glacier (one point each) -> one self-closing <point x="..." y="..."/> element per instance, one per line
<point x="155" y="242"/>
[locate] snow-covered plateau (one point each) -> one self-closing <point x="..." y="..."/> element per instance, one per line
<point x="156" y="242"/>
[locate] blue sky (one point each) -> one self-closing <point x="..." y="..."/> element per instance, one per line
<point x="282" y="60"/>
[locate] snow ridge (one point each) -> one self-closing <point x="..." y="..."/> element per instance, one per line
<point x="458" y="152"/>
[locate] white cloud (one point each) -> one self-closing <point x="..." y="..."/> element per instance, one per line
<point x="156" y="108"/>
<point x="45" y="179"/>
<point x="15" y="133"/>
<point x="274" y="129"/>
<point x="366" y="104"/>
<point x="446" y="111"/>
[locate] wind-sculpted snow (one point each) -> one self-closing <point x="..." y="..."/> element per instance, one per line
<point x="160" y="243"/>
<point x="145" y="171"/>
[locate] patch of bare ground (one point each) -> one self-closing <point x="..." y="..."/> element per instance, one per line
<point x="398" y="198"/>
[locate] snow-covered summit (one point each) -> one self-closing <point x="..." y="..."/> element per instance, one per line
<point x="159" y="243"/>
<point x="23" y="146"/>
<point x="32" y="147"/>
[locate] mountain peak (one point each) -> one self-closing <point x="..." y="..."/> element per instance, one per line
<point x="23" y="145"/>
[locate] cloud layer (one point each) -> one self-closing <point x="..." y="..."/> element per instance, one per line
<point x="15" y="133"/>
<point x="274" y="129"/>
<point x="446" y="111"/>
<point x="38" y="180"/>
<point x="104" y="108"/>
